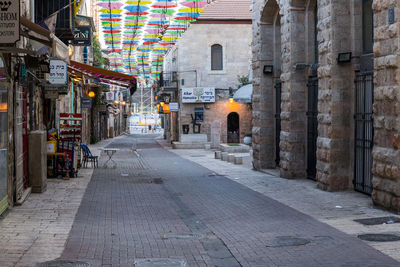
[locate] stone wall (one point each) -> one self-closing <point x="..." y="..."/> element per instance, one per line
<point x="336" y="94"/>
<point x="263" y="104"/>
<point x="196" y="55"/>
<point x="338" y="30"/>
<point x="218" y="112"/>
<point x="386" y="154"/>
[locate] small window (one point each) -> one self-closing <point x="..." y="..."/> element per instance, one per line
<point x="216" y="57"/>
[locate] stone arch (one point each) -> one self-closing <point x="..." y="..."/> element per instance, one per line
<point x="271" y="8"/>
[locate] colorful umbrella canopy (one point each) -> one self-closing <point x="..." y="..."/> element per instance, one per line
<point x="138" y="33"/>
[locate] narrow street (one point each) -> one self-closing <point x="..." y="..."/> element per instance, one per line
<point x="156" y="207"/>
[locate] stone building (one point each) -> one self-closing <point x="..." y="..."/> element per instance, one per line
<point x="325" y="93"/>
<point x="212" y="53"/>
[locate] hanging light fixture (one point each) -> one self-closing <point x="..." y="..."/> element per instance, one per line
<point x="91" y="94"/>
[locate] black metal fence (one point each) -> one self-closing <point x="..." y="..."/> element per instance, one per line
<point x="278" y="100"/>
<point x="312" y="127"/>
<point x="364" y="132"/>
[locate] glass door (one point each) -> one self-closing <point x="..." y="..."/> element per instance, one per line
<point x="3" y="148"/>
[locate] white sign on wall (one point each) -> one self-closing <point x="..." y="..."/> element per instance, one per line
<point x="9" y="21"/>
<point x="58" y="71"/>
<point x="110" y="96"/>
<point x="198" y="95"/>
<point x="173" y="107"/>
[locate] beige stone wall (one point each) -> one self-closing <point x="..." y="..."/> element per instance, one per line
<point x="336" y="93"/>
<point x="266" y="26"/>
<point x="192" y="62"/>
<point x="386" y="154"/>
<point x="193" y="53"/>
<point x="218" y="112"/>
<point x="338" y="30"/>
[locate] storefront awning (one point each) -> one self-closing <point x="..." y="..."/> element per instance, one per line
<point x="244" y="94"/>
<point x="107" y="76"/>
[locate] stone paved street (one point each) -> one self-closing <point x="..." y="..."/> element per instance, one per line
<point x="156" y="204"/>
<point x="181" y="205"/>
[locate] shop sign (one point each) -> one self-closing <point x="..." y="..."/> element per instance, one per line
<point x="86" y="102"/>
<point x="110" y="96"/>
<point x="198" y="95"/>
<point x="173" y="107"/>
<point x="9" y="21"/>
<point x="51" y="94"/>
<point x="58" y="71"/>
<point x="82" y="36"/>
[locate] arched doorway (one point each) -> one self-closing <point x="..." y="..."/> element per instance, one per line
<point x="233" y="128"/>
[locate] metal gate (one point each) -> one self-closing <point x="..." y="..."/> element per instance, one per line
<point x="312" y="127"/>
<point x="364" y="133"/>
<point x="278" y="98"/>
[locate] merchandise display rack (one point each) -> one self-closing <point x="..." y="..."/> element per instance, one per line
<point x="70" y="136"/>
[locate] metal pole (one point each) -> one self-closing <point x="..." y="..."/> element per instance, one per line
<point x="151" y="103"/>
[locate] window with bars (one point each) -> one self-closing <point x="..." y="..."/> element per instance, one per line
<point x="45" y="8"/>
<point x="216" y="57"/>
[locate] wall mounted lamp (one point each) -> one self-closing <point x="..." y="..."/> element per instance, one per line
<point x="268" y="69"/>
<point x="344" y="57"/>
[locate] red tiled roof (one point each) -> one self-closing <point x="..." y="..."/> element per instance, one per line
<point x="227" y="10"/>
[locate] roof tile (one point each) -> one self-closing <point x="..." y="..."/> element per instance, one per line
<point x="227" y="10"/>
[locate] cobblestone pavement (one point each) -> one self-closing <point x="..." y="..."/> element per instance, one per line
<point x="158" y="205"/>
<point x="38" y="230"/>
<point x="338" y="209"/>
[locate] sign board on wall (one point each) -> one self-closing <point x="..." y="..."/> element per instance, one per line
<point x="110" y="96"/>
<point x="198" y="95"/>
<point x="86" y="102"/>
<point x="173" y="107"/>
<point x="82" y="36"/>
<point x="58" y="72"/>
<point x="9" y="21"/>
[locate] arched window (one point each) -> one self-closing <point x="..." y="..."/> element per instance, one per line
<point x="216" y="57"/>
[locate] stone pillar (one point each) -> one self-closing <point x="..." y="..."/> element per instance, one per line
<point x="263" y="86"/>
<point x="293" y="115"/>
<point x="386" y="153"/>
<point x="335" y="101"/>
<point x="215" y="134"/>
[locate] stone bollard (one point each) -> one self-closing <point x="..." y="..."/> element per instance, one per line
<point x="238" y="160"/>
<point x="224" y="156"/>
<point x="231" y="158"/>
<point x="207" y="146"/>
<point x="218" y="154"/>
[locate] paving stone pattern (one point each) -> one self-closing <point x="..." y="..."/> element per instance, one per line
<point x="196" y="216"/>
<point x="341" y="210"/>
